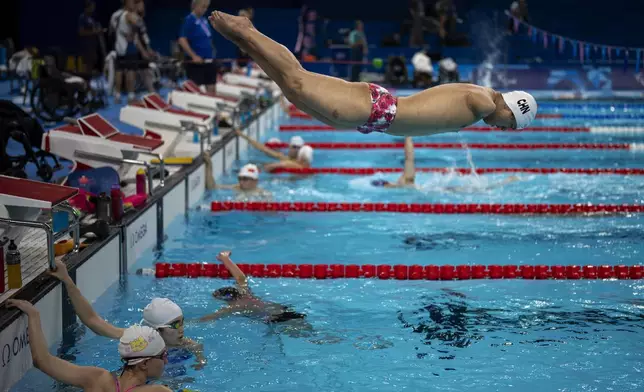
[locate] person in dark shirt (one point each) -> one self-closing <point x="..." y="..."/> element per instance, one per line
<point x="195" y="38"/>
<point x="89" y="31"/>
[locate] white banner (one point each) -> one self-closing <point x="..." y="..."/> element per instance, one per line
<point x="16" y="354"/>
<point x="141" y="235"/>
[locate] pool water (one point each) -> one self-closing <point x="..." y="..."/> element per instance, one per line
<point x="390" y="335"/>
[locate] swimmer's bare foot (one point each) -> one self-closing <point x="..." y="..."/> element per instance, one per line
<point x="230" y="26"/>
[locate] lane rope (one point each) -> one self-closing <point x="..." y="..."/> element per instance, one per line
<point x="477" y="146"/>
<point x="362" y="171"/>
<point x="443" y="208"/>
<point x="402" y="272"/>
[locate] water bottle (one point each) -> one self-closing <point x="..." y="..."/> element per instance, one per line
<point x="141" y="182"/>
<point x="103" y="207"/>
<point x="14" y="269"/>
<point x="146" y="271"/>
<point x="117" y="203"/>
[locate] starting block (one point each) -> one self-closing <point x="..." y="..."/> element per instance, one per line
<point x="154" y="115"/>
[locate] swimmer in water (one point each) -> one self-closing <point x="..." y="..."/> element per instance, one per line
<point x="299" y="156"/>
<point x="371" y="108"/>
<point x="142" y="351"/>
<point x="247" y="185"/>
<point x="408" y="178"/>
<point x="241" y="301"/>
<point x="163" y="315"/>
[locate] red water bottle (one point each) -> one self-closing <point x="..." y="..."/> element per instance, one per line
<point x="117" y="203"/>
<point x="141" y="184"/>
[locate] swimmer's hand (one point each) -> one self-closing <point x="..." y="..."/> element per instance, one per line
<point x="25" y="306"/>
<point x="224" y="255"/>
<point x="60" y="272"/>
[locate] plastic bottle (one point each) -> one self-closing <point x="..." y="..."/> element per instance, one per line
<point x="2" y="282"/>
<point x="146" y="271"/>
<point x="14" y="269"/>
<point x="141" y="182"/>
<point x="117" y="203"/>
<point x="103" y="207"/>
<point x="83" y="187"/>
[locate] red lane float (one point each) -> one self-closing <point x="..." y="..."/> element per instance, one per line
<point x="404" y="272"/>
<point x="459" y="170"/>
<point x="313" y="128"/>
<point x="445" y="208"/>
<point x="478" y="146"/>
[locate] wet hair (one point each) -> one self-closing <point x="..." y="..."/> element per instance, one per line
<point x="227" y="293"/>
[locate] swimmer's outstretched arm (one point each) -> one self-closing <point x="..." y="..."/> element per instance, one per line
<point x="210" y="179"/>
<point x="82" y="307"/>
<point x="234" y="270"/>
<point x="284" y="164"/>
<point x="409" y="174"/>
<point x="80" y="376"/>
<point x="223" y="312"/>
<point x="259" y="146"/>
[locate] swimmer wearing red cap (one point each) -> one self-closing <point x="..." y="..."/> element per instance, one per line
<point x="371" y="108"/>
<point x="408" y="178"/>
<point x="240" y="300"/>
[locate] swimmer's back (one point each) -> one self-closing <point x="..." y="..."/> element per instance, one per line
<point x="438" y="109"/>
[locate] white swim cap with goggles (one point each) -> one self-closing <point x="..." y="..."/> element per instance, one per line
<point x="523" y="106"/>
<point x="160" y="312"/>
<point x="296" y="141"/>
<point x="140" y="343"/>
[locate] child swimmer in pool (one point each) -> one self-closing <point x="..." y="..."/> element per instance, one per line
<point x="408" y="178"/>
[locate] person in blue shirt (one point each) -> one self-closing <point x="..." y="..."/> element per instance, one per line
<point x="359" y="49"/>
<point x="195" y="38"/>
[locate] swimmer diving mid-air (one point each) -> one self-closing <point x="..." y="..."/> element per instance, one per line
<point x="371" y="108"/>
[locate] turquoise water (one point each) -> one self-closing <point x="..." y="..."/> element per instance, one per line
<point x="375" y="335"/>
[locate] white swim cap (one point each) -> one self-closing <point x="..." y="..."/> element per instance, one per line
<point x="296" y="141"/>
<point x="274" y="140"/>
<point x="306" y="154"/>
<point x="139" y="343"/>
<point x="249" y="170"/>
<point x="523" y="106"/>
<point x="159" y="312"/>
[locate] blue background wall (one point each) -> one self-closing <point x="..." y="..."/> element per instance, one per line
<point x="46" y="23"/>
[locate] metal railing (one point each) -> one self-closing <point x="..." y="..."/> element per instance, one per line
<point x="51" y="236"/>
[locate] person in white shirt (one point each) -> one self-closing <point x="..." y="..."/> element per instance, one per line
<point x="423" y="70"/>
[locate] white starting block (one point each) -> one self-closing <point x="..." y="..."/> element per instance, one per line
<point x="94" y="142"/>
<point x="192" y="98"/>
<point x="95" y="135"/>
<point x="157" y="116"/>
<point x="249" y="81"/>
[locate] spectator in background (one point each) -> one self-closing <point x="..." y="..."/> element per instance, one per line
<point x="359" y="49"/>
<point x="306" y="45"/>
<point x="518" y="9"/>
<point x="89" y="31"/>
<point x="146" y="72"/>
<point x="422" y="69"/>
<point x="195" y="38"/>
<point x="130" y="51"/>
